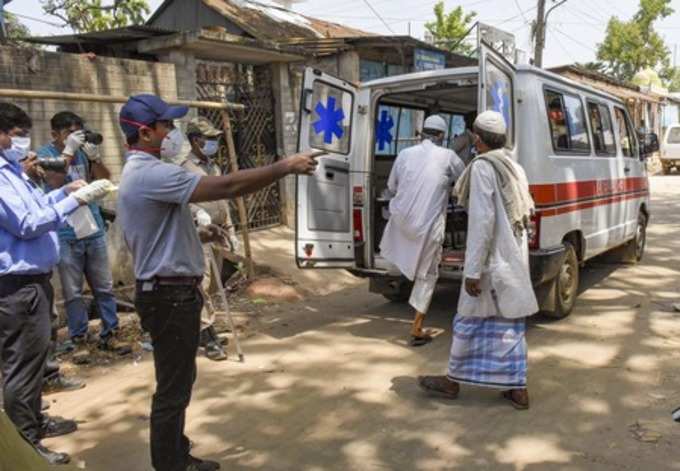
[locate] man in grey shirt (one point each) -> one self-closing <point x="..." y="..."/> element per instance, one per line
<point x="154" y="213"/>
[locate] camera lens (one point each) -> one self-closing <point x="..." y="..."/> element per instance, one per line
<point x="57" y="164"/>
<point x="93" y="137"/>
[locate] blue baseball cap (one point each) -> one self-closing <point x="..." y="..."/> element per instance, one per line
<point x="147" y="109"/>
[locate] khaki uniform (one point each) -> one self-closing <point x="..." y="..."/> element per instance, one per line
<point x="219" y="213"/>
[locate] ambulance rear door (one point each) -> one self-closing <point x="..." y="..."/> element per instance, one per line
<point x="323" y="230"/>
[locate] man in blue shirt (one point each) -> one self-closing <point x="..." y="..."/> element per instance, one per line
<point x="29" y="250"/>
<point x="86" y="257"/>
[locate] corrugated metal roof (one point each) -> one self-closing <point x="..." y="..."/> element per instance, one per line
<point x="265" y="20"/>
<point x="118" y="35"/>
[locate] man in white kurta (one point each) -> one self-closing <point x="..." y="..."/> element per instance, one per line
<point x="489" y="345"/>
<point x="420" y="183"/>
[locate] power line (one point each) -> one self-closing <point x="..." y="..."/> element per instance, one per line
<point x="375" y="12"/>
<point x="584" y="45"/>
<point x="37" y="20"/>
<point x="521" y="12"/>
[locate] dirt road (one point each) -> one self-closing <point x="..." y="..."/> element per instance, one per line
<point x="329" y="384"/>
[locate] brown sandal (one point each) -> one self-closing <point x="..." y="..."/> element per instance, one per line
<point x="420" y="340"/>
<point x="439" y="386"/>
<point x="519" y="398"/>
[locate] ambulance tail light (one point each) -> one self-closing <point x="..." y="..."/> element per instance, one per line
<point x="535" y="231"/>
<point x="358" y="198"/>
<point x="358" y="225"/>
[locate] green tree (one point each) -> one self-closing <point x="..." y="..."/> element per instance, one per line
<point x="634" y="45"/>
<point x="449" y="29"/>
<point x="14" y="29"/>
<point x="96" y="15"/>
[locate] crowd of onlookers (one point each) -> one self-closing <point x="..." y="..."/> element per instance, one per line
<point x="51" y="222"/>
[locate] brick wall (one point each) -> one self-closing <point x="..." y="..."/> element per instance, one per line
<point x="28" y="69"/>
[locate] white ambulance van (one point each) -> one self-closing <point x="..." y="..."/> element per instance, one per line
<point x="585" y="165"/>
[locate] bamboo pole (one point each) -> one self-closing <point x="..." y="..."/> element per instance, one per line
<point x="88" y="97"/>
<point x="240" y="201"/>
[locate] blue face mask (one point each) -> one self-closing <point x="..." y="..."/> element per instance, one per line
<point x="210" y="148"/>
<point x="19" y="149"/>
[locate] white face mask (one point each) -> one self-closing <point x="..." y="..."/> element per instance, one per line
<point x="19" y="150"/>
<point x="210" y="148"/>
<point x="172" y="144"/>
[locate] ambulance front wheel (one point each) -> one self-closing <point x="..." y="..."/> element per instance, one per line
<point x="563" y="291"/>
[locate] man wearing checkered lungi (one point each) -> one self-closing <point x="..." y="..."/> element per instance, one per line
<point x="489" y="345"/>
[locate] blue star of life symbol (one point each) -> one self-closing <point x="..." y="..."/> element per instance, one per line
<point x="329" y="119"/>
<point x="383" y="134"/>
<point x="501" y="100"/>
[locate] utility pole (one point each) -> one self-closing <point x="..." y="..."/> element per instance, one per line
<point x="539" y="29"/>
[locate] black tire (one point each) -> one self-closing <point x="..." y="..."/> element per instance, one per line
<point x="401" y="291"/>
<point x="566" y="284"/>
<point x="633" y="251"/>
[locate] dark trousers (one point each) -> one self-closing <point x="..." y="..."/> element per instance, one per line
<point x="172" y="316"/>
<point x="25" y="309"/>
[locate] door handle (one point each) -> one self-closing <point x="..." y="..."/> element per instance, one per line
<point x="626" y="170"/>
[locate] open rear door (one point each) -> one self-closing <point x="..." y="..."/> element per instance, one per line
<point x="497" y="87"/>
<point x="324" y="237"/>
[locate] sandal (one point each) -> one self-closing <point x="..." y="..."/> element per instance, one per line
<point x="519" y="398"/>
<point x="420" y="340"/>
<point x="439" y="386"/>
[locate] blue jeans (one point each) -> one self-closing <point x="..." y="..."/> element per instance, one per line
<point x="87" y="258"/>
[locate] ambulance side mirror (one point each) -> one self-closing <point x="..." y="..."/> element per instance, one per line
<point x="649" y="143"/>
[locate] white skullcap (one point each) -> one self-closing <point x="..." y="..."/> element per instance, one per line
<point x="436" y="123"/>
<point x="491" y="121"/>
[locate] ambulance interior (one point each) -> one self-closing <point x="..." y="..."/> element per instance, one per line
<point x="406" y="112"/>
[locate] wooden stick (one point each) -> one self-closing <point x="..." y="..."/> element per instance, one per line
<point x="240" y="202"/>
<point x="44" y="95"/>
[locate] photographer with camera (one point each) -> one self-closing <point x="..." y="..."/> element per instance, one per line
<point x="74" y="154"/>
<point x="29" y="251"/>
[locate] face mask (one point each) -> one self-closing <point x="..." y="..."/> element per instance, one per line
<point x="172" y="144"/>
<point x="210" y="148"/>
<point x="19" y="149"/>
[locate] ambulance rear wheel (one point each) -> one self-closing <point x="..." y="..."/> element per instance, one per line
<point x="566" y="284"/>
<point x="400" y="291"/>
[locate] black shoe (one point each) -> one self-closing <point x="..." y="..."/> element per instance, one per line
<point x="196" y="464"/>
<point x="52" y="457"/>
<point x="215" y="352"/>
<point x="61" y="383"/>
<point x="52" y="427"/>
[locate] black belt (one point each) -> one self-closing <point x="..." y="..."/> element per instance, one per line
<point x="171" y="281"/>
<point x="25" y="279"/>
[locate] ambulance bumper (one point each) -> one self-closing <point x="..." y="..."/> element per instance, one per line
<point x="545" y="264"/>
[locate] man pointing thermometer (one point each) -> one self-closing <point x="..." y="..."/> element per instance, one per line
<point x="154" y="213"/>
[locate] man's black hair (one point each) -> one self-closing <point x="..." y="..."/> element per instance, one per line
<point x="493" y="140"/>
<point x="11" y="116"/>
<point x="65" y="120"/>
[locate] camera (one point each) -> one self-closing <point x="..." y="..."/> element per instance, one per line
<point x="93" y="137"/>
<point x="56" y="164"/>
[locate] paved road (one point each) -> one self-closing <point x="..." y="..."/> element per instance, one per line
<point x="329" y="384"/>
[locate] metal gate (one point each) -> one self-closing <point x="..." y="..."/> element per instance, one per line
<point x="254" y="128"/>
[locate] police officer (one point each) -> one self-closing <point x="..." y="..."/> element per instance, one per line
<point x="154" y="213"/>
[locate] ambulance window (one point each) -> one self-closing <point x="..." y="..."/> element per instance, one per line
<point x="626" y="137"/>
<point x="567" y="123"/>
<point x="330" y="126"/>
<point x="386" y="126"/>
<point x="410" y="123"/>
<point x="499" y="96"/>
<point x="601" y="125"/>
<point x="673" y="136"/>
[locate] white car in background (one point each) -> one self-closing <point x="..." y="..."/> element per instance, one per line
<point x="670" y="149"/>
